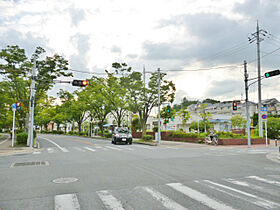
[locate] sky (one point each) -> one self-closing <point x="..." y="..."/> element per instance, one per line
<point x="172" y="35"/>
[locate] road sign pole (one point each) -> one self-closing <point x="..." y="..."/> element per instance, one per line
<point x="266" y="143"/>
<point x="13" y="130"/>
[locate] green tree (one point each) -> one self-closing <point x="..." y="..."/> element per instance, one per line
<point x="184" y="115"/>
<point x="210" y="101"/>
<point x="17" y="67"/>
<point x="238" y="121"/>
<point x="97" y="103"/>
<point x="116" y="91"/>
<point x="136" y="124"/>
<point x="205" y="116"/>
<point x="166" y="116"/>
<point x="143" y="99"/>
<point x="202" y="125"/>
<point x="273" y="127"/>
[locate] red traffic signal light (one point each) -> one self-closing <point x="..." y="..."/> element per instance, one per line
<point x="234" y="105"/>
<point x="18" y="104"/>
<point x="80" y="83"/>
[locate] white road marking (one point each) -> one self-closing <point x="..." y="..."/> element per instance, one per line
<point x="256" y="200"/>
<point x="66" y="201"/>
<point x="79" y="149"/>
<point x="59" y="147"/>
<point x="166" y="202"/>
<point x="125" y="148"/>
<point x="50" y="150"/>
<point x="3" y="141"/>
<point x="252" y="186"/>
<point x="204" y="199"/>
<point x="146" y="147"/>
<point x="264" y="180"/>
<point x="115" y="148"/>
<point x="90" y="149"/>
<point x="109" y="200"/>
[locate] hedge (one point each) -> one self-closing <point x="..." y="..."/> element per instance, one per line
<point x="22" y="138"/>
<point x="147" y="137"/>
<point x="108" y="135"/>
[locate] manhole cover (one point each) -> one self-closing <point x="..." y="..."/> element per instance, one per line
<point x="65" y="180"/>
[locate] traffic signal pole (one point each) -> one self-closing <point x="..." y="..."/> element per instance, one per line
<point x="247" y="104"/>
<point x="31" y="102"/>
<point x="159" y="132"/>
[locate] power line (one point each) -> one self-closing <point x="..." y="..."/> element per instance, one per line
<point x="203" y="69"/>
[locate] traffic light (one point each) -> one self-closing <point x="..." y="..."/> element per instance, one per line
<point x="272" y="73"/>
<point x="80" y="83"/>
<point x="18" y="105"/>
<point x="168" y="109"/>
<point x="234" y="105"/>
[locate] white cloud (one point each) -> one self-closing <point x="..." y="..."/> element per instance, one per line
<point x="178" y="34"/>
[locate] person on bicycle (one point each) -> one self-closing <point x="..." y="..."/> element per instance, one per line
<point x="212" y="134"/>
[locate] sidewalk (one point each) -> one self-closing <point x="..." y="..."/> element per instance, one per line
<point x="7" y="149"/>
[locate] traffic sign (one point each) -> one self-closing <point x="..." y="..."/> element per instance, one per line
<point x="14" y="106"/>
<point x="264" y="116"/>
<point x="264" y="109"/>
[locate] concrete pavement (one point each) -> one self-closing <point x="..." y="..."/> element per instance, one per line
<point x="82" y="173"/>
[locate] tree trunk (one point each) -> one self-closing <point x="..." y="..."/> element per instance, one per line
<point x="65" y="127"/>
<point x="80" y="126"/>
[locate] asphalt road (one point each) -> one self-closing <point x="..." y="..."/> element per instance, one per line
<point x="81" y="173"/>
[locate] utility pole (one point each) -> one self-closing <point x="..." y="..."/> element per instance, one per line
<point x="159" y="132"/>
<point x="247" y="103"/>
<point x="32" y="104"/>
<point x="256" y="37"/>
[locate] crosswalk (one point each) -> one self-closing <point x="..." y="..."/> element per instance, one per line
<point x="250" y="192"/>
<point x="91" y="149"/>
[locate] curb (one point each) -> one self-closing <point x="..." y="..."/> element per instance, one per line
<point x="150" y="144"/>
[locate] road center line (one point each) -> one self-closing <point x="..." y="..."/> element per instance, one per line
<point x="59" y="147"/>
<point x="213" y="204"/>
<point x="66" y="201"/>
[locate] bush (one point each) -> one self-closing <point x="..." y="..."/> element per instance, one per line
<point x="82" y="133"/>
<point x="147" y="137"/>
<point x="155" y="129"/>
<point x="108" y="135"/>
<point x="22" y="138"/>
<point x="180" y="134"/>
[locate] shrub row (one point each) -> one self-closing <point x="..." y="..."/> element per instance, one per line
<point x="108" y="135"/>
<point x="147" y="137"/>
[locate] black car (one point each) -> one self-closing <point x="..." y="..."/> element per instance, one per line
<point x="121" y="135"/>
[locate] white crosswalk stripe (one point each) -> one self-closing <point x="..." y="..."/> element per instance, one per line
<point x="264" y="180"/>
<point x="66" y="201"/>
<point x="114" y="148"/>
<point x="124" y="147"/>
<point x="109" y="200"/>
<point x="90" y="149"/>
<point x="166" y="202"/>
<point x="145" y="147"/>
<point x="50" y="150"/>
<point x="250" y="197"/>
<point x="79" y="149"/>
<point x="202" y="198"/>
<point x="241" y="190"/>
<point x="252" y="186"/>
